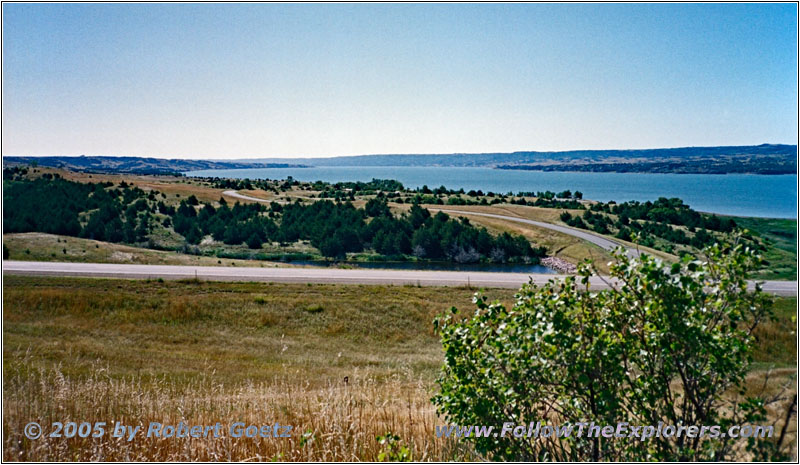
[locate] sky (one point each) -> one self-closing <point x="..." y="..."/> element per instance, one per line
<point x="309" y="80"/>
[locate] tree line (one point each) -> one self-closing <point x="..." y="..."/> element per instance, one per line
<point x="396" y="192"/>
<point x="53" y="205"/>
<point x="649" y="220"/>
<point x="123" y="213"/>
<point x="338" y="228"/>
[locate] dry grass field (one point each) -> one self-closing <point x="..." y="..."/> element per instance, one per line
<point x="137" y="351"/>
<point x="176" y="188"/>
<point x="341" y="363"/>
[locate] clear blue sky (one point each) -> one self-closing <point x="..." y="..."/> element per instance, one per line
<point x="263" y="80"/>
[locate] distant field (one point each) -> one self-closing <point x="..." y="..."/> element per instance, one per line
<point x="200" y="352"/>
<point x="781" y="236"/>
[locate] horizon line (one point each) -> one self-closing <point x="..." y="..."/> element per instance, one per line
<point x="306" y="157"/>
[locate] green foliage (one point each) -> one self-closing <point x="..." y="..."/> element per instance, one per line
<point x="337" y="228"/>
<point x="651" y="220"/>
<point x="254" y="241"/>
<point x="779" y="237"/>
<point x="128" y="214"/>
<point x="669" y="343"/>
<point x="444" y="239"/>
<point x="377" y="207"/>
<point x="236" y="225"/>
<point x="674" y="211"/>
<point x="339" y="189"/>
<point x="394" y="450"/>
<point x="53" y="205"/>
<point x="43" y="205"/>
<point x="315" y="308"/>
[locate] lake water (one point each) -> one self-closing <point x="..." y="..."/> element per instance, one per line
<point x="438" y="266"/>
<point x="729" y="194"/>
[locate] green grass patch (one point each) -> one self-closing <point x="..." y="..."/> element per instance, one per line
<point x="776" y="339"/>
<point x="780" y="236"/>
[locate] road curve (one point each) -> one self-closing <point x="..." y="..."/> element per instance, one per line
<point x="311" y="275"/>
<point x="600" y="241"/>
<point x="237" y="195"/>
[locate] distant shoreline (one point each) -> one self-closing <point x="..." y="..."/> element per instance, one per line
<point x="625" y="168"/>
<point x="765" y="159"/>
<point x="539" y="169"/>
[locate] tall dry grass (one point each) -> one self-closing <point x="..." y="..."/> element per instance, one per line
<point x="336" y="422"/>
<point x="140" y="352"/>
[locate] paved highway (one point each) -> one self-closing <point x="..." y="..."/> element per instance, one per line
<point x="309" y="275"/>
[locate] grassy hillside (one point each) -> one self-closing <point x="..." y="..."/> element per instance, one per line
<point x="52" y="247"/>
<point x="780" y="235"/>
<point x="341" y="363"/>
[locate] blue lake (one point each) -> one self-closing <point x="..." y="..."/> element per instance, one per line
<point x="729" y="194"/>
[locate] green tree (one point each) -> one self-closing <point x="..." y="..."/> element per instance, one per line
<point x="377" y="207"/>
<point x="333" y="247"/>
<point x="663" y="345"/>
<point x="193" y="235"/>
<point x="144" y="227"/>
<point x="254" y="241"/>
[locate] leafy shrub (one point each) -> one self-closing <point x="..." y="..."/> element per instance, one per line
<point x="668" y="343"/>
